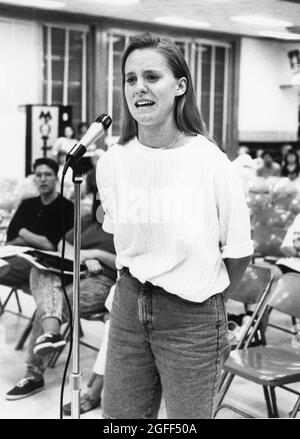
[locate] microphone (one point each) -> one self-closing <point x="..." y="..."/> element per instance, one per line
<point x="94" y="132"/>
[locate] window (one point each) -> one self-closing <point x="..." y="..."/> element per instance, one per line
<point x="65" y="68"/>
<point x="209" y="65"/>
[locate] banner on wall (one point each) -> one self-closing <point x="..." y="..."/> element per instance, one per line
<point x="294" y="57"/>
<point x="43" y="125"/>
<point x="44" y="130"/>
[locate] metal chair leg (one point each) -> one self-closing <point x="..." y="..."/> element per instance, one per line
<point x="223" y="390"/>
<point x="18" y="301"/>
<point x="296" y="408"/>
<point x="7" y="300"/>
<point x="274" y="403"/>
<point x="3" y="305"/>
<point x="268" y="402"/>
<point x="25" y="333"/>
<point x="81" y="333"/>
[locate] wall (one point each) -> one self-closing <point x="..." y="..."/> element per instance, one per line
<point x="267" y="112"/>
<point x="20" y="83"/>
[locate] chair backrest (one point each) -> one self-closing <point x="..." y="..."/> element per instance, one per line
<point x="267" y="240"/>
<point x="255" y="282"/>
<point x="281" y="218"/>
<point x="285" y="296"/>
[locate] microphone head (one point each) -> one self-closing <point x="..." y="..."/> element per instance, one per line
<point x="105" y="120"/>
<point x="95" y="130"/>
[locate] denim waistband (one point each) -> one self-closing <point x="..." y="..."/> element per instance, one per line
<point x="150" y="287"/>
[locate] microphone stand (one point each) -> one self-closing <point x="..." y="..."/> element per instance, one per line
<point x="76" y="377"/>
<point x="73" y="161"/>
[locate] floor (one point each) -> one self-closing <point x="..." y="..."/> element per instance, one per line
<point x="45" y="404"/>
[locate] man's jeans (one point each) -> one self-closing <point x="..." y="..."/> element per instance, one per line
<point x="47" y="291"/>
<point x="162" y="344"/>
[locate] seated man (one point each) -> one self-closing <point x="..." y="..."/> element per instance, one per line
<point x="269" y="167"/>
<point x="37" y="222"/>
<point x="98" y="248"/>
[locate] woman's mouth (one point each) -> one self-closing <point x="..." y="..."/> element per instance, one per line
<point x="144" y="103"/>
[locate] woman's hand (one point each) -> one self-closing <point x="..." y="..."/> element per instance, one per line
<point x="93" y="266"/>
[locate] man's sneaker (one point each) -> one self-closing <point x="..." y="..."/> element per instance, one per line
<point x="48" y="343"/>
<point x="25" y="387"/>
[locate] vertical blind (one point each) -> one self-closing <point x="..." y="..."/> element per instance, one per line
<point x="65" y="68"/>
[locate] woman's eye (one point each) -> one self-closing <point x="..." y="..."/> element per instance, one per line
<point x="130" y="80"/>
<point x="152" y="78"/>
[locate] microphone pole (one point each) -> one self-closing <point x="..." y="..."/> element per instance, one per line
<point x="73" y="160"/>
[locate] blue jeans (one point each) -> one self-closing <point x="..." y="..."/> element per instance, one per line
<point x="162" y="344"/>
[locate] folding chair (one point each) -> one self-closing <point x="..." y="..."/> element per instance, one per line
<point x="14" y="292"/>
<point x="252" y="290"/>
<point x="267" y="365"/>
<point x="267" y="242"/>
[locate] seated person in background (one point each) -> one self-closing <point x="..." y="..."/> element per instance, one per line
<point x="37" y="222"/>
<point x="283" y="150"/>
<point x="64" y="143"/>
<point x="98" y="254"/>
<point x="82" y="129"/>
<point x="243" y="157"/>
<point x="258" y="161"/>
<point x="68" y="181"/>
<point x="290" y="248"/>
<point x="269" y="168"/>
<point x="245" y="166"/>
<point x="290" y="165"/>
<point x="92" y="397"/>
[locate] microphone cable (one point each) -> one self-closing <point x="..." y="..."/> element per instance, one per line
<point x="62" y="278"/>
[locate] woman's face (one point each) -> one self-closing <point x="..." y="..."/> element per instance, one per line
<point x="290" y="158"/>
<point x="150" y="87"/>
<point x="68" y="132"/>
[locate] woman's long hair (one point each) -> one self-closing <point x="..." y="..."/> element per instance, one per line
<point x="284" y="167"/>
<point x="187" y="115"/>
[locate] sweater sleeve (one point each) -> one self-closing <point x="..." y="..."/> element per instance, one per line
<point x="234" y="220"/>
<point x="54" y="231"/>
<point x="16" y="223"/>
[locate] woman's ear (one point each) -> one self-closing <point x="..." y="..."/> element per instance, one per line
<point x="181" y="86"/>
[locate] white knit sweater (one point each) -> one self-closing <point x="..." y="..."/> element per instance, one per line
<point x="175" y="214"/>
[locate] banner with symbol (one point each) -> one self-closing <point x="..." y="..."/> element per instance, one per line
<point x="45" y="122"/>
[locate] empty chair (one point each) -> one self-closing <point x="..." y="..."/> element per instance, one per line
<point x="268" y="365"/>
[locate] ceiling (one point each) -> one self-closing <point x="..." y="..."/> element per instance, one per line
<point x="216" y="13"/>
